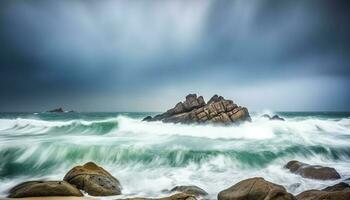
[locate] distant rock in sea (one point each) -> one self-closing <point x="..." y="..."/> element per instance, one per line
<point x="56" y="110"/>
<point x="195" y="110"/>
<point x="60" y="110"/>
<point x="275" y="117"/>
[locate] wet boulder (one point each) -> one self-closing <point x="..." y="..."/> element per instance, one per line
<point x="218" y="110"/>
<point x="312" y="171"/>
<point x="94" y="180"/>
<point x="44" y="189"/>
<point x="255" y="188"/>
<point x="340" y="191"/>
<point x="190" y="189"/>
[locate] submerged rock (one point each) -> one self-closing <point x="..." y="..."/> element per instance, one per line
<point x="275" y="117"/>
<point x="94" y="180"/>
<point x="255" y="188"/>
<point x="190" y="189"/>
<point x="44" y="188"/>
<point x="195" y="110"/>
<point x="340" y="191"/>
<point x="178" y="196"/>
<point x="312" y="171"/>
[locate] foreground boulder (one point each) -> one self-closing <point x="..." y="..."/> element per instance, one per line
<point x="94" y="180"/>
<point x="255" y="188"/>
<point x="312" y="171"/>
<point x="44" y="188"/>
<point x="190" y="189"/>
<point x="275" y="117"/>
<point x="195" y="110"/>
<point x="340" y="191"/>
<point x="178" y="196"/>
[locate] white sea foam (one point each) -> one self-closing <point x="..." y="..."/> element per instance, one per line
<point x="148" y="157"/>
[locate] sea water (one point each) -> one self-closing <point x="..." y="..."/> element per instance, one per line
<point x="150" y="157"/>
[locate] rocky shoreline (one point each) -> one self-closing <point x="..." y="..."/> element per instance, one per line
<point x="96" y="181"/>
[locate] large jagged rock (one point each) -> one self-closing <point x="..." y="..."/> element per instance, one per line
<point x="44" y="189"/>
<point x="195" y="110"/>
<point x="340" y="191"/>
<point x="312" y="171"/>
<point x="255" y="188"/>
<point x="94" y="180"/>
<point x="178" y="196"/>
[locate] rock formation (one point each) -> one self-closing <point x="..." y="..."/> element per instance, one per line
<point x="312" y="171"/>
<point x="340" y="191"/>
<point x="44" y="188"/>
<point x="195" y="110"/>
<point x="255" y="188"/>
<point x="94" y="180"/>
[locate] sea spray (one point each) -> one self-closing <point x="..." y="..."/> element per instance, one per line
<point x="148" y="157"/>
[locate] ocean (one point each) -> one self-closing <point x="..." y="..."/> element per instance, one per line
<point x="150" y="157"/>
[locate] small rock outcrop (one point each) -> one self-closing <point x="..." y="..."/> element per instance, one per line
<point x="255" y="188"/>
<point x="43" y="189"/>
<point x="190" y="189"/>
<point x="94" y="180"/>
<point x="275" y="117"/>
<point x="340" y="191"/>
<point x="178" y="196"/>
<point x="56" y="110"/>
<point x="195" y="110"/>
<point x="312" y="171"/>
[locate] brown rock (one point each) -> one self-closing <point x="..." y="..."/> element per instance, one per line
<point x="94" y="180"/>
<point x="44" y="188"/>
<point x="339" y="191"/>
<point x="194" y="110"/>
<point x="190" y="189"/>
<point x="255" y="189"/>
<point x="312" y="171"/>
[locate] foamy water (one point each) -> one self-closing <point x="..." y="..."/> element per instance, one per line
<point x="148" y="157"/>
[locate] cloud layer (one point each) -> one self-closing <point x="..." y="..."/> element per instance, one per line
<point x="145" y="56"/>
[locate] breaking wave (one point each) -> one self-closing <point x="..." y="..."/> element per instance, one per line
<point x="148" y="157"/>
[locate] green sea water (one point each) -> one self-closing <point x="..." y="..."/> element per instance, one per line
<point x="148" y="157"/>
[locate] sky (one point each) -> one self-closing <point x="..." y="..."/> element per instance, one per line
<point x="134" y="55"/>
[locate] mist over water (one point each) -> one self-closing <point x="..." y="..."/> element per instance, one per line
<point x="148" y="157"/>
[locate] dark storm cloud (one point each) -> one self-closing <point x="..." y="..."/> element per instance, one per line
<point x="120" y="55"/>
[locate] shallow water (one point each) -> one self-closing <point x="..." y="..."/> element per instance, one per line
<point x="148" y="157"/>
